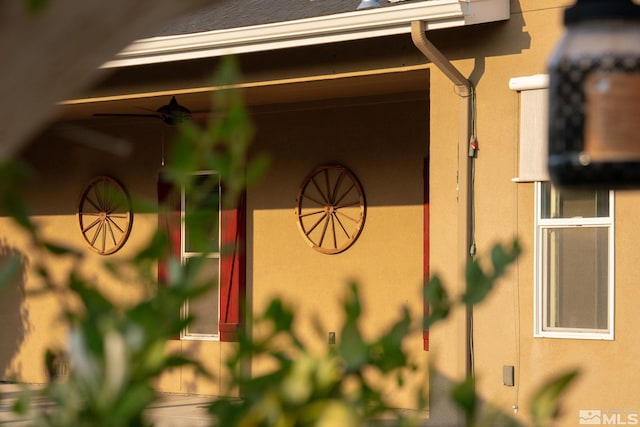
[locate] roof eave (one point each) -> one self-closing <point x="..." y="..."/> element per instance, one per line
<point x="355" y="25"/>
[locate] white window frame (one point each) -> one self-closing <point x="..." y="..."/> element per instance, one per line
<point x="540" y="287"/>
<point x="185" y="334"/>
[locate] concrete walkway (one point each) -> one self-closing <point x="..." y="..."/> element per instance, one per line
<point x="174" y="410"/>
<point x="171" y="410"/>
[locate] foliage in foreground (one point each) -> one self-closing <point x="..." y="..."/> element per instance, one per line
<point x="334" y="388"/>
<point x="117" y="353"/>
<point x="307" y="389"/>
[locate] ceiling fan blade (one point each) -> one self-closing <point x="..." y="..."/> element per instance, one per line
<point x="155" y="116"/>
<point x="200" y="115"/>
<point x="171" y="114"/>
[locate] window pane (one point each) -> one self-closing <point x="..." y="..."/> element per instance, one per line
<point x="573" y="203"/>
<point x="205" y="307"/>
<point x="201" y="215"/>
<point x="576" y="277"/>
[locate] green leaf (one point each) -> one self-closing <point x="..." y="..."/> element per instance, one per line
<point x="12" y="174"/>
<point x="96" y="303"/>
<point x="464" y="396"/>
<point x="478" y="284"/>
<point x="351" y="304"/>
<point x="228" y="73"/>
<point x="503" y="256"/>
<point x="390" y="355"/>
<point x="352" y="347"/>
<point x="11" y="268"/>
<point x="257" y="168"/>
<point x="36" y="6"/>
<point x="22" y="403"/>
<point x="545" y="405"/>
<point x="439" y="305"/>
<point x="16" y="208"/>
<point x="156" y="248"/>
<point x="131" y="404"/>
<point x="183" y="162"/>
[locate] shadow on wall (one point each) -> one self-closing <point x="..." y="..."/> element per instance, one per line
<point x="13" y="316"/>
<point x="492" y="39"/>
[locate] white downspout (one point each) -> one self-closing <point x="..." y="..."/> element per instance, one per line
<point x="465" y="92"/>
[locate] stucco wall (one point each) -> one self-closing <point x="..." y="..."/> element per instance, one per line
<point x="60" y="169"/>
<point x="503" y="325"/>
<point x="383" y="143"/>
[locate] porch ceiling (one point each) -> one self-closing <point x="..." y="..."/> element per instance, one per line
<point x="259" y="93"/>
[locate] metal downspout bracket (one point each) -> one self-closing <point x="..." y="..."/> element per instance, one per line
<point x="465" y="92"/>
<point x="419" y="37"/>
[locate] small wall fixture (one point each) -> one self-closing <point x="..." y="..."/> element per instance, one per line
<point x="508" y="377"/>
<point x="365" y="4"/>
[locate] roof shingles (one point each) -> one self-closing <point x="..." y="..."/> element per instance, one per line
<point x="226" y="14"/>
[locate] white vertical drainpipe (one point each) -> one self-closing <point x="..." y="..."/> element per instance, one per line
<point x="465" y="89"/>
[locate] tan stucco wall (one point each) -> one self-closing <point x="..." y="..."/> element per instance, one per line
<point x="61" y="169"/>
<point x="384" y="145"/>
<point x="387" y="259"/>
<point x="503" y="325"/>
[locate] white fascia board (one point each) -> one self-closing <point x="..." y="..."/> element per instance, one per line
<point x="536" y="81"/>
<point x="355" y="25"/>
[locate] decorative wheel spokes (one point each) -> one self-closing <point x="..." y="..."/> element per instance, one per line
<point x="330" y="209"/>
<point x="104" y="214"/>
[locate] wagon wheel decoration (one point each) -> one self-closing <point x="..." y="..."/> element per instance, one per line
<point x="330" y="209"/>
<point x="105" y="215"/>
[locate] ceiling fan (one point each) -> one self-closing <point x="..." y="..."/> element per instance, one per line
<point x="170" y="114"/>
